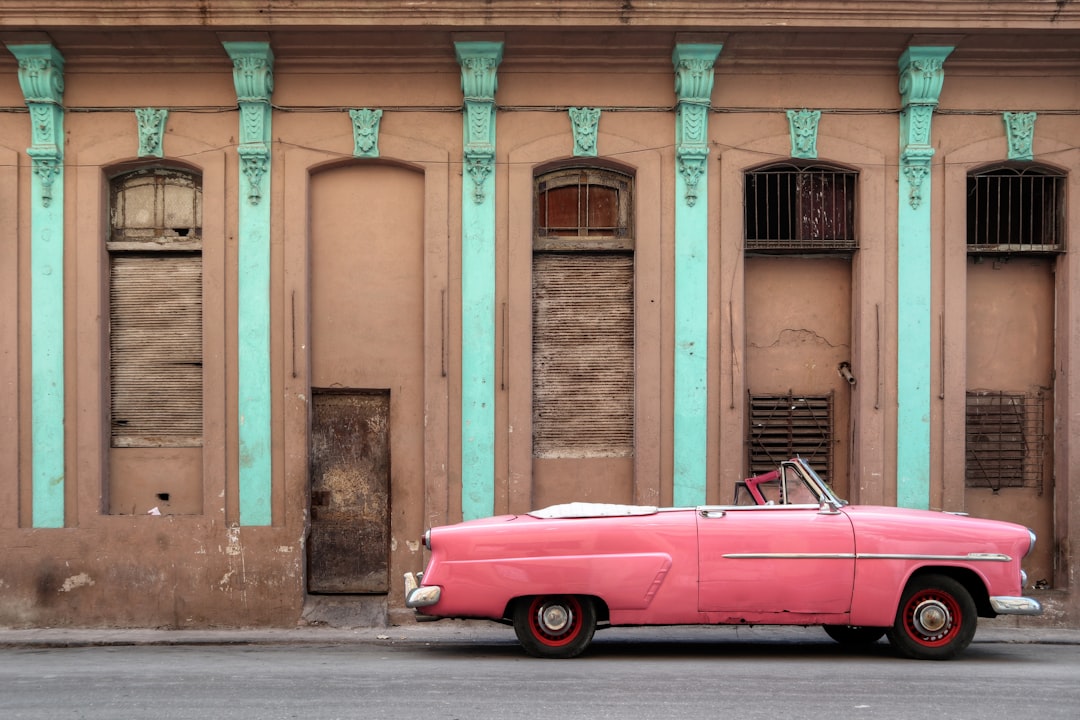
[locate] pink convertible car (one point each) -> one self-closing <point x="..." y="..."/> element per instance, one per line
<point x="787" y="552"/>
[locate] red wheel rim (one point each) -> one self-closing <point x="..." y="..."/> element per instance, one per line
<point x="555" y="621"/>
<point x="932" y="618"/>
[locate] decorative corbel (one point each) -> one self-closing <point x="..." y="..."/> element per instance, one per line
<point x="253" y="76"/>
<point x="693" y="87"/>
<point x="585" y="123"/>
<point x="479" y="62"/>
<point x="41" y="77"/>
<point x="921" y="78"/>
<point x="151" y="131"/>
<point x="365" y="124"/>
<point x="1020" y="130"/>
<point x="804" y="130"/>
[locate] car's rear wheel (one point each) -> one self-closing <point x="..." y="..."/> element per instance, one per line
<point x="555" y="626"/>
<point x="936" y="619"/>
<point x="854" y="635"/>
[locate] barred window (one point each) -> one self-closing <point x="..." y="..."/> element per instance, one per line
<point x="1005" y="444"/>
<point x="783" y="426"/>
<point x="798" y="208"/>
<point x="1016" y="208"/>
<point x="583" y="314"/>
<point x="155" y="309"/>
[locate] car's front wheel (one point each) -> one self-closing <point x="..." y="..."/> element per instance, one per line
<point x="555" y="626"/>
<point x="936" y="619"/>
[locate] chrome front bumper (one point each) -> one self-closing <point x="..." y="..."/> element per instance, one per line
<point x="1015" y="606"/>
<point x="417" y="596"/>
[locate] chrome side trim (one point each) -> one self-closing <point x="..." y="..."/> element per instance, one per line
<point x="790" y="556"/>
<point x="1016" y="606"/>
<point x="970" y="557"/>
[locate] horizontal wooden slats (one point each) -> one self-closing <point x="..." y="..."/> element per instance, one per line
<point x="783" y="426"/>
<point x="583" y="355"/>
<point x="155" y="349"/>
<point x="1004" y="439"/>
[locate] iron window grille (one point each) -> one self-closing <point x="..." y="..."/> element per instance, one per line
<point x="783" y="426"/>
<point x="800" y="208"/>
<point x="1016" y="209"/>
<point x="1005" y="443"/>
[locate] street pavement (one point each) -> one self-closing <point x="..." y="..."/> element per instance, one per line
<point x="456" y="632"/>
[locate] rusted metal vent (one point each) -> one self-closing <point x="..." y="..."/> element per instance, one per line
<point x="1005" y="442"/>
<point x="800" y="208"/>
<point x="783" y="426"/>
<point x="1016" y="209"/>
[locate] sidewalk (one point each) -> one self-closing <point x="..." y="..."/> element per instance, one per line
<point x="458" y="632"/>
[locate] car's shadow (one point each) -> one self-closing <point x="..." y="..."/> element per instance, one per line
<point x="610" y="648"/>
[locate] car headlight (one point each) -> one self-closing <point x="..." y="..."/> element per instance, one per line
<point x="1031" y="543"/>
<point x="427" y="540"/>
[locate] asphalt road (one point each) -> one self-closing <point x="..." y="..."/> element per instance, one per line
<point x="622" y="677"/>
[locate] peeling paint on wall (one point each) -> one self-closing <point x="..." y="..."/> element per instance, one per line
<point x="75" y="582"/>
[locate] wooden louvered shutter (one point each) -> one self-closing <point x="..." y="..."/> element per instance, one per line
<point x="583" y="355"/>
<point x="155" y="343"/>
<point x="785" y="426"/>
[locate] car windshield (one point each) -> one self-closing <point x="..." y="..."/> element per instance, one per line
<point x="793" y="483"/>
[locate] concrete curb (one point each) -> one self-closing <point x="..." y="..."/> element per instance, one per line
<point x="456" y="632"/>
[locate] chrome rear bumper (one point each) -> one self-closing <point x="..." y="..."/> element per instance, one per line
<point x="417" y="596"/>
<point x="1015" y="606"/>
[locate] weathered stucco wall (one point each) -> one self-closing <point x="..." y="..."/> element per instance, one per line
<point x="366" y="260"/>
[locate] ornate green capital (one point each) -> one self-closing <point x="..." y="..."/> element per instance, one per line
<point x="479" y="62"/>
<point x="365" y="124"/>
<point x="41" y="76"/>
<point x="253" y="76"/>
<point x="922" y="75"/>
<point x="804" y="129"/>
<point x="585" y="122"/>
<point x="1020" y="129"/>
<point x="151" y="130"/>
<point x="693" y="87"/>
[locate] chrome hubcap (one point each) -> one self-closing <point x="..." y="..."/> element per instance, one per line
<point x="931" y="617"/>
<point x="554" y="618"/>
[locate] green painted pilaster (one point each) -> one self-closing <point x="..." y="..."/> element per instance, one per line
<point x="254" y="79"/>
<point x="921" y="78"/>
<point x="479" y="62"/>
<point x="693" y="87"/>
<point x="41" y="75"/>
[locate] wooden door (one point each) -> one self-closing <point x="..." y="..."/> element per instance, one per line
<point x="349" y="545"/>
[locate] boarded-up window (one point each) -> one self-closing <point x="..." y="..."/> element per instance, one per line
<point x="1005" y="440"/>
<point x="583" y="315"/>
<point x="796" y="208"/>
<point x="785" y="426"/>
<point x="155" y="309"/>
<point x="1014" y="209"/>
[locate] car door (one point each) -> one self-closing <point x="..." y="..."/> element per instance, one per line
<point x="775" y="559"/>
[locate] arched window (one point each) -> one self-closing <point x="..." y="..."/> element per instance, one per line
<point x="799" y="207"/>
<point x="155" y="309"/>
<point x="1016" y="208"/>
<point x="583" y="314"/>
